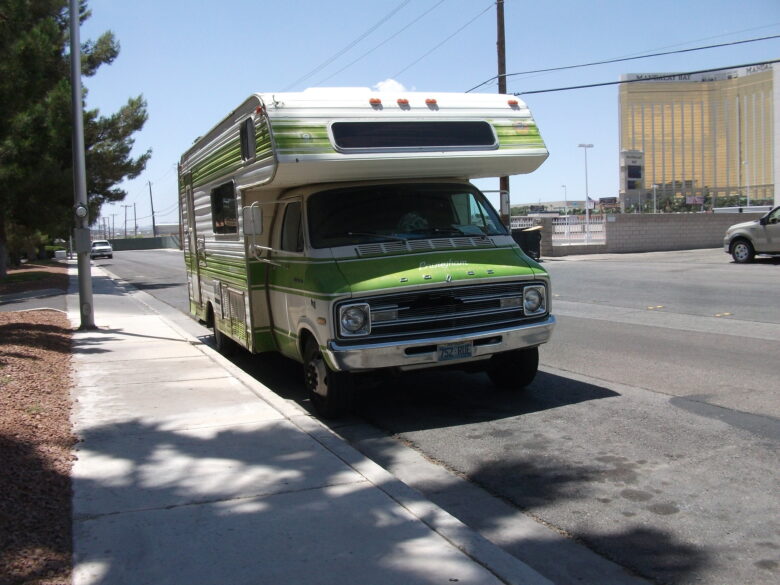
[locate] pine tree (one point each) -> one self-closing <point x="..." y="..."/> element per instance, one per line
<point x="36" y="159"/>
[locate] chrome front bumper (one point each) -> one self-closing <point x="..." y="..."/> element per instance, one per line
<point x="422" y="353"/>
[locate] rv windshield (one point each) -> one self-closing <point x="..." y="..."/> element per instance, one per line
<point x="385" y="213"/>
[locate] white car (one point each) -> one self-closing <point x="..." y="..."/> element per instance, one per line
<point x="760" y="236"/>
<point x="101" y="249"/>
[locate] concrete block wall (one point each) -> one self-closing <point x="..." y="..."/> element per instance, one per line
<point x="120" y="244"/>
<point x="670" y="231"/>
<point x="650" y="233"/>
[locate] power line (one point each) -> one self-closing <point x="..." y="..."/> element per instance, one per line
<point x="330" y="60"/>
<point x="607" y="61"/>
<point x="606" y="83"/>
<point x="383" y="43"/>
<point x="444" y="41"/>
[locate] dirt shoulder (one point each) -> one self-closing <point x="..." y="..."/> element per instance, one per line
<point x="36" y="439"/>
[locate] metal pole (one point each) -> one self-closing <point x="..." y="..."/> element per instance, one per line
<point x="655" y="208"/>
<point x="80" y="176"/>
<point x="585" y="148"/>
<point x="135" y="223"/>
<point x="154" y="228"/>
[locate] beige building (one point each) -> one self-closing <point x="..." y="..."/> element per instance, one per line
<point x="706" y="139"/>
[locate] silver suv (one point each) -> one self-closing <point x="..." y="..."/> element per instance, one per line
<point x="101" y="249"/>
<point x="760" y="236"/>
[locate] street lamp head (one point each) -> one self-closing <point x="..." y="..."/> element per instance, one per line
<point x="585" y="146"/>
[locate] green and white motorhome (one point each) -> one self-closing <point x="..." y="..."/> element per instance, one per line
<point x="338" y="227"/>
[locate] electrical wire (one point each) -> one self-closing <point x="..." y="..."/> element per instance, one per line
<point x="338" y="54"/>
<point x="383" y="43"/>
<point x="606" y="83"/>
<point x="444" y="41"/>
<point x="607" y="61"/>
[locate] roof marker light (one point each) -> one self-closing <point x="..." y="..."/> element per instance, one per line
<point x="403" y="102"/>
<point x="375" y="102"/>
<point x="513" y="103"/>
<point x="430" y="102"/>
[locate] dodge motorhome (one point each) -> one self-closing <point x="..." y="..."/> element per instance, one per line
<point x="339" y="227"/>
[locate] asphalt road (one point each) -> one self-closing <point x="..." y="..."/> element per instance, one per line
<point x="650" y="436"/>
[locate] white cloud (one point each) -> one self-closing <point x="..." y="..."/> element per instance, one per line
<point x="390" y="85"/>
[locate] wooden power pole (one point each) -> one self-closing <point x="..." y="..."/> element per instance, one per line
<point x="501" y="46"/>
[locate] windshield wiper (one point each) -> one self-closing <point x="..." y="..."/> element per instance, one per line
<point x="440" y="231"/>
<point x="367" y="235"/>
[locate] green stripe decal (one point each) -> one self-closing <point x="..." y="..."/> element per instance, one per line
<point x="522" y="134"/>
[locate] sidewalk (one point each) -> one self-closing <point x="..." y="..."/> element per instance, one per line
<point x="190" y="471"/>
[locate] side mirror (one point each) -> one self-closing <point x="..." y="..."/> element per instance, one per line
<point x="253" y="220"/>
<point x="764" y="220"/>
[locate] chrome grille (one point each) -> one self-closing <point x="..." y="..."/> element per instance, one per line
<point x="443" y="311"/>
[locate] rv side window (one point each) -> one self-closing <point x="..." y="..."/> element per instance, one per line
<point x="248" y="139"/>
<point x="292" y="230"/>
<point x="224" y="214"/>
<point x="414" y="135"/>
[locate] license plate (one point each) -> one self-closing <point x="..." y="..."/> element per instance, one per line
<point x="455" y="351"/>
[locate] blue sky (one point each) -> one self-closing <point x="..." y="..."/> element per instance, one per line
<point x="196" y="60"/>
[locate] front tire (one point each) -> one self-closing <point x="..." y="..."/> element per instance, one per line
<point x="332" y="393"/>
<point x="742" y="251"/>
<point x="514" y="370"/>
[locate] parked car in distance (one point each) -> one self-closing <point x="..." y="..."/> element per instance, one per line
<point x="760" y="236"/>
<point x="101" y="249"/>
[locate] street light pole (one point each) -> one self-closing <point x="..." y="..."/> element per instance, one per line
<point x="747" y="180"/>
<point x="565" y="201"/>
<point x="655" y="210"/>
<point x="585" y="148"/>
<point x="81" y="209"/>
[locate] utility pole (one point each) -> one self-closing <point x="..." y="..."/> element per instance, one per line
<point x="503" y="182"/>
<point x="81" y="208"/>
<point x="135" y="223"/>
<point x="154" y="228"/>
<point x="125" y="206"/>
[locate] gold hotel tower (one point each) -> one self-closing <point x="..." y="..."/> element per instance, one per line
<point x="708" y="139"/>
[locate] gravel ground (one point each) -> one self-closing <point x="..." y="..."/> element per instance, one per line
<point x="36" y="442"/>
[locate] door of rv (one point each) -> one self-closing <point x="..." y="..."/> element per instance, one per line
<point x="287" y="274"/>
<point x="192" y="242"/>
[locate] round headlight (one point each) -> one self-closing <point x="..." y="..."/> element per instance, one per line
<point x="354" y="319"/>
<point x="533" y="300"/>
